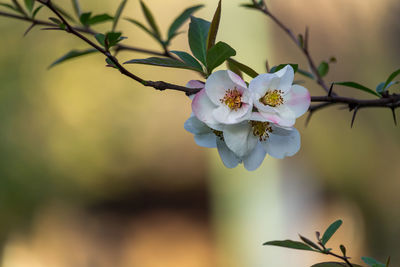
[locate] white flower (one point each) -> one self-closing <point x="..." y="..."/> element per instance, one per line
<point x="277" y="99"/>
<point x="276" y="141"/>
<point x="207" y="137"/>
<point x="225" y="99"/>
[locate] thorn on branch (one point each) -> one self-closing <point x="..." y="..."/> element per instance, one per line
<point x="394" y="115"/>
<point x="331" y="89"/>
<point x="309" y="117"/>
<point x="306" y="39"/>
<point x="354" y="116"/>
<point x="30" y="28"/>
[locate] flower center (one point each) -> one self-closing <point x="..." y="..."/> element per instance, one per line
<point x="233" y="99"/>
<point x="219" y="134"/>
<point x="261" y="129"/>
<point x="272" y="98"/>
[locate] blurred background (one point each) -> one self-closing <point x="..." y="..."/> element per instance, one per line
<point x="96" y="170"/>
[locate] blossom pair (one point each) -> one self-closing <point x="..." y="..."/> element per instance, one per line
<point x="245" y="122"/>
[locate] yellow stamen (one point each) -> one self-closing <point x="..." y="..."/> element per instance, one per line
<point x="272" y="98"/>
<point x="233" y="99"/>
<point x="261" y="129"/>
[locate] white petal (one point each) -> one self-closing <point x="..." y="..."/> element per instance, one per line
<point x="239" y="138"/>
<point x="282" y="142"/>
<point x="195" y="126"/>
<point x="206" y="140"/>
<point x="225" y="115"/>
<point x="286" y="76"/>
<point x="287" y="117"/>
<point x="202" y="108"/>
<point x="260" y="84"/>
<point x="195" y="85"/>
<point x="229" y="158"/>
<point x="255" y="158"/>
<point x="298" y="100"/>
<point x="220" y="82"/>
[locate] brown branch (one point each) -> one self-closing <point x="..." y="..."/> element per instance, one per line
<point x="159" y="85"/>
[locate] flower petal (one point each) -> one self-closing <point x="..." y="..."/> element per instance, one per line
<point x="298" y="100"/>
<point x="286" y="76"/>
<point x="282" y="142"/>
<point x="260" y="84"/>
<point x="225" y="115"/>
<point x="239" y="138"/>
<point x="255" y="158"/>
<point x="221" y="81"/>
<point x="194" y="84"/>
<point x="206" y="140"/>
<point x="195" y="126"/>
<point x="229" y="158"/>
<point x="202" y="108"/>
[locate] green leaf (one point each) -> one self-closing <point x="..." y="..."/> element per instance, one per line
<point x="144" y="28"/>
<point x="251" y="6"/>
<point x="246" y="69"/>
<point x="234" y="68"/>
<point x="198" y="32"/>
<point x="99" y="19"/>
<point x="118" y="14"/>
<point x="10" y="7"/>
<point x="114" y="38"/>
<point x="72" y="54"/>
<point x="101" y="38"/>
<point x="358" y="86"/>
<point x="110" y="63"/>
<point x="381" y="87"/>
<point x="161" y="62"/>
<point x="188" y="59"/>
<point x="323" y="68"/>
<point x="218" y="54"/>
<point x="29" y="4"/>
<point x="289" y="244"/>
<point x="150" y="19"/>
<point x="309" y="242"/>
<point x="182" y="18"/>
<point x="331" y="231"/>
<point x="387" y="262"/>
<point x="77" y="9"/>
<point x="85" y="17"/>
<point x="391" y="77"/>
<point x="334" y="264"/>
<point x="305" y="73"/>
<point x="281" y="66"/>
<point x="58" y="22"/>
<point x="372" y="262"/>
<point x="212" y="33"/>
<point x="36" y="11"/>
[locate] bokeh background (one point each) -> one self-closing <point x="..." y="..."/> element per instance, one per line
<point x="96" y="170"/>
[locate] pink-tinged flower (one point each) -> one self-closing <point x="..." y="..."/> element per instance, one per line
<point x="225" y="99"/>
<point x="207" y="137"/>
<point x="277" y="99"/>
<point x="279" y="142"/>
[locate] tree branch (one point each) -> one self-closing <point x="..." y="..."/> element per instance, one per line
<point x="159" y="85"/>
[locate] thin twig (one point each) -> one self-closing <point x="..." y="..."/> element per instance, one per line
<point x="159" y="85"/>
<point x="117" y="48"/>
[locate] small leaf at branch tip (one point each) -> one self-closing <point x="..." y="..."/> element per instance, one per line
<point x="72" y="54"/>
<point x="180" y="20"/>
<point x="358" y="86"/>
<point x="330" y="231"/>
<point x="150" y="19"/>
<point x="289" y="244"/>
<point x="212" y="33"/>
